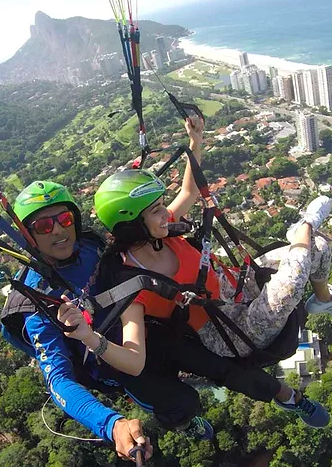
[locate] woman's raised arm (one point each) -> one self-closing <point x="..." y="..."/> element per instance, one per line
<point x="189" y="191"/>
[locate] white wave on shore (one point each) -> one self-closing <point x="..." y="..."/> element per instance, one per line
<point x="231" y="57"/>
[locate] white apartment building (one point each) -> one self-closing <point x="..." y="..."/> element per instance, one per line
<point x="244" y="60"/>
<point x="273" y="72"/>
<point x="249" y="78"/>
<point x="275" y="86"/>
<point x="325" y="86"/>
<point x="251" y="82"/>
<point x="236" y="80"/>
<point x="262" y="80"/>
<point x="311" y="88"/>
<point x="146" y="61"/>
<point x="298" y="84"/>
<point x="175" y="54"/>
<point x="308" y="350"/>
<point x="286" y="87"/>
<point x="156" y="60"/>
<point x="307" y="131"/>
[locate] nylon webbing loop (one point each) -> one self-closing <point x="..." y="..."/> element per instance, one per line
<point x="44" y="303"/>
<point x="134" y="285"/>
<point x="204" y="264"/>
<point x="216" y="314"/>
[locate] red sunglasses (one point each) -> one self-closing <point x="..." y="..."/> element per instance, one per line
<point x="45" y="225"/>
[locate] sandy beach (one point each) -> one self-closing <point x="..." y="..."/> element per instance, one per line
<point x="231" y="57"/>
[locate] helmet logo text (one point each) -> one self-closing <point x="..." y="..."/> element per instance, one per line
<point x="147" y="189"/>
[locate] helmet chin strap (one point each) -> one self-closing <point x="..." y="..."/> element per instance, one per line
<point x="157" y="243"/>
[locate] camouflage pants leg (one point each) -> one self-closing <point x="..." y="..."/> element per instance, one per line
<point x="270" y="308"/>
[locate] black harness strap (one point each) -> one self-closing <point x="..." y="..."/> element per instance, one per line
<point x="45" y="303"/>
<point x="205" y="261"/>
<point x="133" y="286"/>
<point x="212" y="309"/>
<point x="217" y="235"/>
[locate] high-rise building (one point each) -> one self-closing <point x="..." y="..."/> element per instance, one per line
<point x="275" y="87"/>
<point x="325" y="86"/>
<point x="262" y="81"/>
<point x="180" y="53"/>
<point x="251" y="82"/>
<point x="146" y="61"/>
<point x="156" y="60"/>
<point x="307" y="131"/>
<point x="175" y="54"/>
<point x="286" y="87"/>
<point x="236" y="80"/>
<point x="298" y="84"/>
<point x="311" y="87"/>
<point x="244" y="60"/>
<point x="249" y="78"/>
<point x="110" y="64"/>
<point x="162" y="49"/>
<point x="273" y="72"/>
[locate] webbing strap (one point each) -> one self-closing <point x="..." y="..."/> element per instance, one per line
<point x="44" y="303"/>
<point x="214" y="313"/>
<point x="204" y="265"/>
<point x="223" y="243"/>
<point x="134" y="285"/>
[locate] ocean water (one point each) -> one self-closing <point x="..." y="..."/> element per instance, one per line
<point x="297" y="30"/>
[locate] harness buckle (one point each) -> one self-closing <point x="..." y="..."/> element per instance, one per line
<point x="205" y="255"/>
<point x="188" y="298"/>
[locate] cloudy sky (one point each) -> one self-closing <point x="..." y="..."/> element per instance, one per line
<point x="17" y="15"/>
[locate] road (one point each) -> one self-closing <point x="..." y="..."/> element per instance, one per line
<point x="274" y="108"/>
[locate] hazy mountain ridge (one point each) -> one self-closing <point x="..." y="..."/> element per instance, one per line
<point x="60" y="49"/>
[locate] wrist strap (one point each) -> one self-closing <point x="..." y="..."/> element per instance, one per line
<point x="103" y="343"/>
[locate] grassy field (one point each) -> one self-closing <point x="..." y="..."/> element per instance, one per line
<point x="208" y="107"/>
<point x="200" y="73"/>
<point x="125" y="134"/>
<point x="15" y="181"/>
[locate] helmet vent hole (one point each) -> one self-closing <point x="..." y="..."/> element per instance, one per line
<point x="123" y="211"/>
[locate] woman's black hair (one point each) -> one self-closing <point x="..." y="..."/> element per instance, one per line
<point x="131" y="234"/>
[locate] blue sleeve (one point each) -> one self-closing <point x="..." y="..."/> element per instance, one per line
<point x="54" y="361"/>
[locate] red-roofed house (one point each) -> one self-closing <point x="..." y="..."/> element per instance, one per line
<point x="291" y="203"/>
<point x="174" y="173"/>
<point x="264" y="182"/>
<point x="174" y="187"/>
<point x="289" y="183"/>
<point x="290" y="186"/>
<point x="242" y="178"/>
<point x="272" y="211"/>
<point x="86" y="191"/>
<point x="258" y="200"/>
<point x="243" y="121"/>
<point x="222" y="131"/>
<point x="219" y="184"/>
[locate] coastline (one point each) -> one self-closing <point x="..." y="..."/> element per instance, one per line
<point x="231" y="57"/>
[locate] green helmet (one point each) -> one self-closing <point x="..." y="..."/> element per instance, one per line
<point x="39" y="195"/>
<point x="123" y="196"/>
